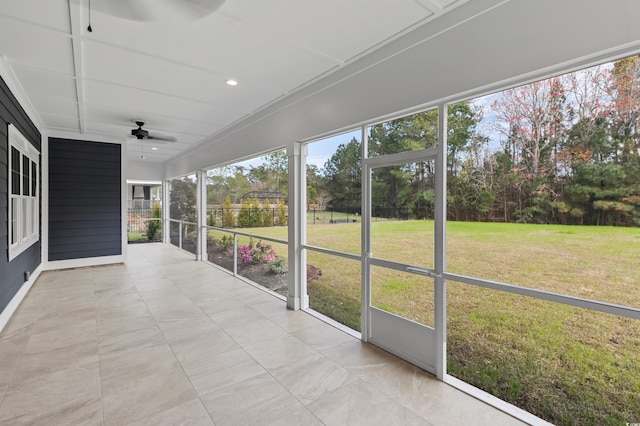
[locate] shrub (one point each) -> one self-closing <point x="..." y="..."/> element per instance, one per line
<point x="282" y="213"/>
<point x="244" y="215"/>
<point x="267" y="214"/>
<point x="226" y="243"/>
<point x="228" y="218"/>
<point x="154" y="227"/>
<point x="279" y="266"/>
<point x="255" y="214"/>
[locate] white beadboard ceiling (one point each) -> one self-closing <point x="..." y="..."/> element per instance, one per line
<point x="169" y="70"/>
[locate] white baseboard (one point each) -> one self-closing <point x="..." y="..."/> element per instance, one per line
<point x="83" y="263"/>
<point x="13" y="305"/>
<point x="501" y="405"/>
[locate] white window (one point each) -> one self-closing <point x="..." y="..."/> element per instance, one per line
<point x="24" y="202"/>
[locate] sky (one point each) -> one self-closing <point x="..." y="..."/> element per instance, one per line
<point x="320" y="151"/>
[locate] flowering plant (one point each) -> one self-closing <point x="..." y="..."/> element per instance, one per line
<point x="253" y="254"/>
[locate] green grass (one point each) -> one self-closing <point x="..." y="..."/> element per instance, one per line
<point x="135" y="236"/>
<point x="141" y="236"/>
<point x="567" y="365"/>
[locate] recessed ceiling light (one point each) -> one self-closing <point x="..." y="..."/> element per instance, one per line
<point x="154" y="148"/>
<point x="232" y="82"/>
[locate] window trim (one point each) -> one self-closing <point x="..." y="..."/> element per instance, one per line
<point x="27" y="225"/>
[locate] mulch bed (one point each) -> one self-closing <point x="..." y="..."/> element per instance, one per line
<point x="260" y="273"/>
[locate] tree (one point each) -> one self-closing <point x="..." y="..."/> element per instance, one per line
<point x="533" y="118"/>
<point x="182" y="197"/>
<point x="410" y="186"/>
<point x="462" y="119"/>
<point x="272" y="174"/>
<point x="226" y="181"/>
<point x="314" y="183"/>
<point x="402" y="187"/>
<point x="342" y="175"/>
<point x="625" y="114"/>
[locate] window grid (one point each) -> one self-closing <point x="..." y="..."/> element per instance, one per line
<point x="24" y="201"/>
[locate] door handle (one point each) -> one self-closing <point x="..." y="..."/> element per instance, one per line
<point x="423" y="271"/>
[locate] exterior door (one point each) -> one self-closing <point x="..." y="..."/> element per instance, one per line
<point x="399" y="260"/>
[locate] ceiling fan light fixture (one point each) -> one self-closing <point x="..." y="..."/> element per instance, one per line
<point x="232" y="82"/>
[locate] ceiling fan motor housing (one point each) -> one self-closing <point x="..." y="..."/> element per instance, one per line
<point x="139" y="132"/>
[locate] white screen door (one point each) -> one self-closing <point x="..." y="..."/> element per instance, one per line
<point x="399" y="246"/>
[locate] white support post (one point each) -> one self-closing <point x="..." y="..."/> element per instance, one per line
<point x="235" y="254"/>
<point x="166" y="238"/>
<point x="201" y="250"/>
<point x="440" y="302"/>
<point x="365" y="279"/>
<point x="297" y="297"/>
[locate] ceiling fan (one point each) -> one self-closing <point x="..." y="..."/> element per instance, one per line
<point x="152" y="10"/>
<point x="141" y="133"/>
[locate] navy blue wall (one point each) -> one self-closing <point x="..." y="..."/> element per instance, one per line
<point x="12" y="273"/>
<point x="85" y="215"/>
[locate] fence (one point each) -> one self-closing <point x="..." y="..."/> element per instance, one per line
<point x="352" y="214"/>
<point x="238" y="217"/>
<point x="138" y="220"/>
<point x="253" y="217"/>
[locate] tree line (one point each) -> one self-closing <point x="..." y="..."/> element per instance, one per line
<point x="562" y="150"/>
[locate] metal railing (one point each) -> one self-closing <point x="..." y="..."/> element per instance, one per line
<point x="182" y="237"/>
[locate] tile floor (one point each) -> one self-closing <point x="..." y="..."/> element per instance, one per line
<point x="165" y="340"/>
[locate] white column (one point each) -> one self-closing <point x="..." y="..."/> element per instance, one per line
<point x="201" y="198"/>
<point x="440" y="302"/>
<point x="365" y="291"/>
<point x="44" y="198"/>
<point x="165" y="212"/>
<point x="297" y="297"/>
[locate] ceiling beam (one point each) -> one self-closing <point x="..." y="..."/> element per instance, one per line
<point x="75" y="18"/>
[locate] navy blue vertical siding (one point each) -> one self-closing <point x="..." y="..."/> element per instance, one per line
<point x="85" y="216"/>
<point x="12" y="273"/>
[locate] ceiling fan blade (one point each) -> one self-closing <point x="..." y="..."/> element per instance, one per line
<point x="132" y="10"/>
<point x="194" y="9"/>
<point x="162" y="138"/>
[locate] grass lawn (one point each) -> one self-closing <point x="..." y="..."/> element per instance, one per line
<point x="136" y="236"/>
<point x="567" y="365"/>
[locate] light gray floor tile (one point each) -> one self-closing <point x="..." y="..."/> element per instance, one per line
<point x="136" y="363"/>
<point x="323" y="336"/>
<point x="178" y="329"/>
<point x="312" y="377"/>
<point x="45" y="362"/>
<point x="222" y="370"/>
<point x="192" y="350"/>
<point x="191" y="413"/>
<point x="65" y="397"/>
<point x="56" y="337"/>
<point x="254" y="331"/>
<point x="235" y="316"/>
<point x="126" y="401"/>
<point x="360" y="404"/>
<point x="279" y="351"/>
<point x="11" y="350"/>
<point x="258" y="400"/>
